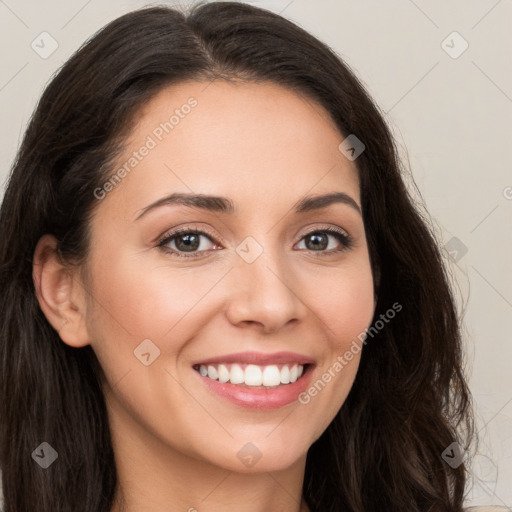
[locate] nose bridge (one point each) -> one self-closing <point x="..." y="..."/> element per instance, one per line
<point x="261" y="288"/>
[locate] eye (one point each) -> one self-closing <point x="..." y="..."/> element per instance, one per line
<point x="185" y="240"/>
<point x="188" y="240"/>
<point x="319" y="240"/>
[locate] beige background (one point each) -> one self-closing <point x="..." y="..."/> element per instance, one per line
<point x="452" y="114"/>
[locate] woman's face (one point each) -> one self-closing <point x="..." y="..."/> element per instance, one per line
<point x="256" y="272"/>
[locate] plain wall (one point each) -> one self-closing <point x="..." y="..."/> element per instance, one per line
<point x="451" y="117"/>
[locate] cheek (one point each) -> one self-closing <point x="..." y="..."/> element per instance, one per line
<point x="344" y="301"/>
<point x="144" y="301"/>
<point x="345" y="309"/>
<point x="132" y="301"/>
<point x="353" y="310"/>
<point x="350" y="315"/>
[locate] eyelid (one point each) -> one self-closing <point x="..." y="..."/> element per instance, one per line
<point x="188" y="229"/>
<point x="325" y="227"/>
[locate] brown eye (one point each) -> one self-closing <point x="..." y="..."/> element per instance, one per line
<point x="318" y="241"/>
<point x="186" y="241"/>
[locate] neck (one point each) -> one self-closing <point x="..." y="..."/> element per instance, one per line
<point x="203" y="488"/>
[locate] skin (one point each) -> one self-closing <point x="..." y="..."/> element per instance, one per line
<point x="176" y="443"/>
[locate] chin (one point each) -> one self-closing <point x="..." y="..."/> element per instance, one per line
<point x="262" y="453"/>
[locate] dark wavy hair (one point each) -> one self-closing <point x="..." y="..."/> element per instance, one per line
<point x="409" y="401"/>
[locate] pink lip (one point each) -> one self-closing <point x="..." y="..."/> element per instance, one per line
<point x="258" y="358"/>
<point x="260" y="398"/>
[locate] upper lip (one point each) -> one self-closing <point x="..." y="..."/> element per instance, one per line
<point x="258" y="358"/>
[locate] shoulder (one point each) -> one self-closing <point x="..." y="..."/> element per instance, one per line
<point x="487" y="508"/>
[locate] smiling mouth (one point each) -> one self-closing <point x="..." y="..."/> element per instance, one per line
<point x="253" y="376"/>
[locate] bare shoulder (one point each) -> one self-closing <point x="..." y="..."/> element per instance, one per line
<point x="488" y="508"/>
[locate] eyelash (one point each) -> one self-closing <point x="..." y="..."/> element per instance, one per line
<point x="345" y="239"/>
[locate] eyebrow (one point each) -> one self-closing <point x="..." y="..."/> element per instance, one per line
<point x="225" y="205"/>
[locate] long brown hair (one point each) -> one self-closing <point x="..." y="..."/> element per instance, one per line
<point x="410" y="400"/>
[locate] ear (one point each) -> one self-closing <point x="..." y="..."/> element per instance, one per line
<point x="60" y="293"/>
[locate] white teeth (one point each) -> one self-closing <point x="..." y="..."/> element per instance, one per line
<point x="237" y="374"/>
<point x="223" y="373"/>
<point x="271" y="376"/>
<point x="293" y="373"/>
<point x="212" y="372"/>
<point x="253" y="375"/>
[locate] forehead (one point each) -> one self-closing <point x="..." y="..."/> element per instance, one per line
<point x="236" y="139"/>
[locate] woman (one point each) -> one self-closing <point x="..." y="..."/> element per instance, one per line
<point x="216" y="292"/>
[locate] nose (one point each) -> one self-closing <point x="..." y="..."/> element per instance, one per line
<point x="264" y="294"/>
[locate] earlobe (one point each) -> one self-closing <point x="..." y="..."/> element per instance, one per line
<point x="59" y="293"/>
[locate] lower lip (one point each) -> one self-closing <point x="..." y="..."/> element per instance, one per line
<point x="254" y="398"/>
